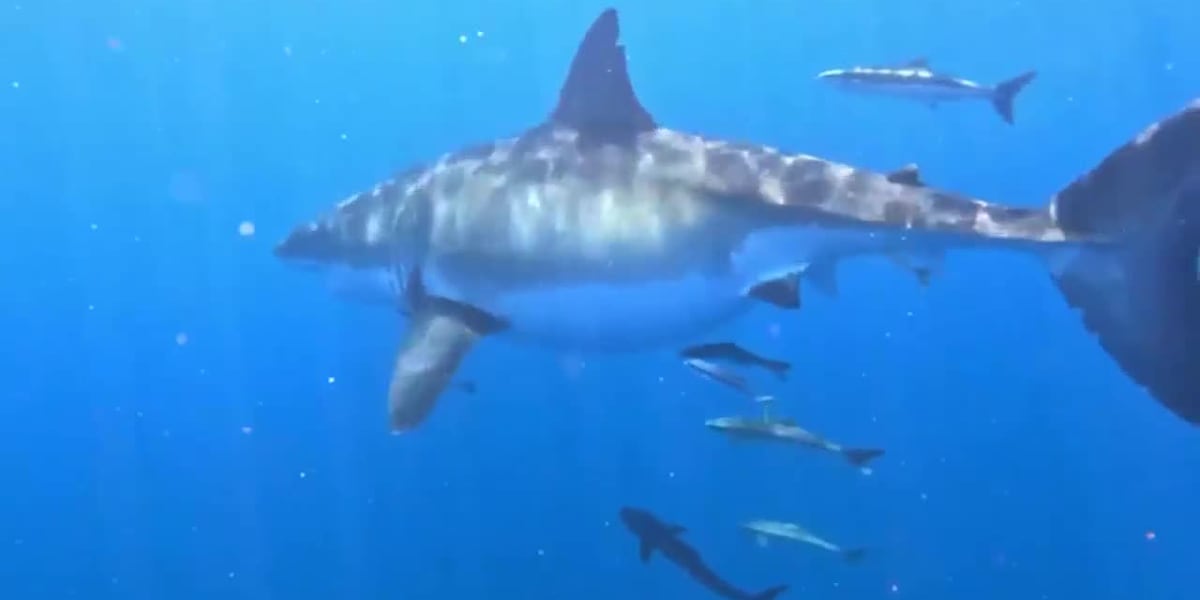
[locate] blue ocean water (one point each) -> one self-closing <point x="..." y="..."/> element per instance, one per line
<point x="186" y="417"/>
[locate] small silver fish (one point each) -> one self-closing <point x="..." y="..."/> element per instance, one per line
<point x="914" y="79"/>
<point x="786" y="430"/>
<point x="764" y="529"/>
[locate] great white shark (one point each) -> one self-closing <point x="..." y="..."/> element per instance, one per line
<point x="598" y="229"/>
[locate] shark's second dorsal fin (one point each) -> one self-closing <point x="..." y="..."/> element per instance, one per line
<point x="909" y="174"/>
<point x="597" y="99"/>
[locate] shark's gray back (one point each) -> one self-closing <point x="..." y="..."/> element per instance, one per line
<point x="545" y="207"/>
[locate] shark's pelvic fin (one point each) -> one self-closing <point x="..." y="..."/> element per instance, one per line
<point x="909" y="174"/>
<point x="924" y="265"/>
<point x="783" y="292"/>
<point x="823" y="275"/>
<point x="1141" y="295"/>
<point x="439" y="336"/>
<point x="597" y="99"/>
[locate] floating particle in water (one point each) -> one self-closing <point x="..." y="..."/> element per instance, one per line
<point x="91" y="307"/>
<point x="287" y="51"/>
<point x="462" y="39"/>
<point x="478" y="34"/>
<point x="332" y="379"/>
<point x="247" y="430"/>
<point x="94" y="227"/>
<point x="246" y="229"/>
<point x="343" y="136"/>
<point x="114" y="43"/>
<point x="16" y="85"/>
<point x="232" y="574"/>
<point x="541" y="552"/>
<point x="775" y="330"/>
<point x="181" y="338"/>
<point x="303" y="475"/>
<point x="894" y="588"/>
<point x="1151" y="536"/>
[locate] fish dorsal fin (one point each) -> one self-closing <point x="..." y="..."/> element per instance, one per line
<point x="907" y="175"/>
<point x="919" y="62"/>
<point x="597" y="99"/>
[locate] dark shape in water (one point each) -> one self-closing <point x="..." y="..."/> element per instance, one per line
<point x="653" y="534"/>
<point x="732" y="352"/>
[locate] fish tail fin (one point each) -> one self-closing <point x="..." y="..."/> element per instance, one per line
<point x="1006" y="92"/>
<point x="1135" y="281"/>
<point x="771" y="593"/>
<point x="859" y="457"/>
<point x="854" y="555"/>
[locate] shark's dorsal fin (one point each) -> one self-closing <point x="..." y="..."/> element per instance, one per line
<point x="907" y="175"/>
<point x="919" y="62"/>
<point x="597" y="99"/>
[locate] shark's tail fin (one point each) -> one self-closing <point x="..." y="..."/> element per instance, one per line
<point x="859" y="457"/>
<point x="854" y="555"/>
<point x="770" y="594"/>
<point x="1138" y="290"/>
<point x="1007" y="91"/>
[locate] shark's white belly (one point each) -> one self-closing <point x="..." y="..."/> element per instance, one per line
<point x="608" y="316"/>
<point x="579" y="316"/>
<point x="600" y="315"/>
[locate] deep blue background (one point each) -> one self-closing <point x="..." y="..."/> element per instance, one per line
<point x="136" y="136"/>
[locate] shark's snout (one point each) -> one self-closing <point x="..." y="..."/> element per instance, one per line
<point x="308" y="242"/>
<point x="631" y="516"/>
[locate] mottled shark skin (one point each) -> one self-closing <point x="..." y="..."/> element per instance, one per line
<point x="600" y="230"/>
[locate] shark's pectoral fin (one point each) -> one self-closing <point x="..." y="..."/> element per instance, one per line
<point x="909" y="174"/>
<point x="645" y="549"/>
<point x="783" y="292"/>
<point x="439" y="336"/>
